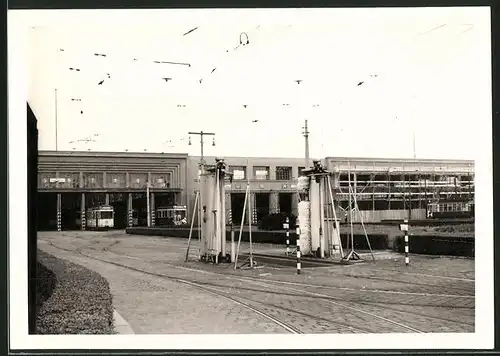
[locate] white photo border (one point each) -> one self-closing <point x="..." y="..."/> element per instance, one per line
<point x="19" y="21"/>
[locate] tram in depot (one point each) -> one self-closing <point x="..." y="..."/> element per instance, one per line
<point x="450" y="209"/>
<point x="101" y="217"/>
<point x="173" y="215"/>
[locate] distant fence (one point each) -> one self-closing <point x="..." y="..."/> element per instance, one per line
<point x="375" y="216"/>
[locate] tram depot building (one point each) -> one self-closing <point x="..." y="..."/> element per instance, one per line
<point x="72" y="183"/>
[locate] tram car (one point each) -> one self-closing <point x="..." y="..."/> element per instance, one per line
<point x="101" y="217"/>
<point x="450" y="209"/>
<point x="171" y="215"/>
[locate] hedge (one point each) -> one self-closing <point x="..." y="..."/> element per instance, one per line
<point x="274" y="222"/>
<point x="437" y="245"/>
<point x="377" y="242"/>
<point x="73" y="299"/>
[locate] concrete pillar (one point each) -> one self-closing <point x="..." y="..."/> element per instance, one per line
<point x="107" y="199"/>
<point x="273" y="203"/>
<point x="229" y="212"/>
<point x="127" y="180"/>
<point x="153" y="209"/>
<point x="129" y="211"/>
<point x="389" y="190"/>
<point x="295" y="204"/>
<point x="272" y="172"/>
<point x="104" y="180"/>
<point x="83" y="217"/>
<point x="59" y="206"/>
<point x="81" y="180"/>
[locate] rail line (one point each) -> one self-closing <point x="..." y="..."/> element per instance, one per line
<point x="218" y="292"/>
<point x="284" y="325"/>
<point x="329" y="298"/>
<point x="301" y="293"/>
<point x="423" y="294"/>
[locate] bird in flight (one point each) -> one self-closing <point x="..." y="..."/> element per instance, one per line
<point x="166" y="79"/>
<point x="213" y="70"/>
<point x="255" y="120"/>
<point x="81" y="111"/>
<point x="298" y="81"/>
<point x="245" y="106"/>
<point x="194" y="29"/>
<point x="360" y="83"/>
<point x="100" y="83"/>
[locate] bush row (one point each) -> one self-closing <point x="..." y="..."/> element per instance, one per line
<point x="421" y="244"/>
<point x="274" y="222"/>
<point x="437" y="245"/>
<point x="377" y="241"/>
<point x="73" y="299"/>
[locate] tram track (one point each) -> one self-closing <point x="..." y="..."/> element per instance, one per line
<point x="330" y="298"/>
<point x="364" y="290"/>
<point x="268" y="288"/>
<point x="240" y="300"/>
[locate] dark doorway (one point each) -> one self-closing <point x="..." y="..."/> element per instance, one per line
<point x="285" y="202"/>
<point x="47" y="212"/>
<point x="237" y="203"/>
<point x="262" y="205"/>
<point x="70" y="206"/>
<point x="164" y="199"/>
<point x="94" y="200"/>
<point x="119" y="203"/>
<point x="139" y="204"/>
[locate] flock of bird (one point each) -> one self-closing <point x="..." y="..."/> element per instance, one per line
<point x="243" y="41"/>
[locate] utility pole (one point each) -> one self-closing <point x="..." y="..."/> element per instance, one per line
<point x="201" y="134"/>
<point x="55" y="102"/>
<point x="306" y="136"/>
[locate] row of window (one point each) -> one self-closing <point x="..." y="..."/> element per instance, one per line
<point x="96" y="181"/>
<point x="283" y="173"/>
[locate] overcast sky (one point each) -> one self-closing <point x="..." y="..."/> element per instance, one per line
<point x="423" y="70"/>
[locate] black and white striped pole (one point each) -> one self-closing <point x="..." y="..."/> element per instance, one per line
<point x="298" y="247"/>
<point x="404" y="227"/>
<point x="59" y="214"/>
<point x="286" y="226"/>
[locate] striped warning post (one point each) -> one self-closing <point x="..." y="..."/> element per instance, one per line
<point x="407" y="247"/>
<point x="152" y="217"/>
<point x="230" y="217"/>
<point x="59" y="220"/>
<point x="254" y="215"/>
<point x="130" y="218"/>
<point x="83" y="220"/>
<point x="286" y="225"/>
<point x="298" y="256"/>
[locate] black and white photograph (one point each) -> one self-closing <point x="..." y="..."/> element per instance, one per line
<point x="227" y="178"/>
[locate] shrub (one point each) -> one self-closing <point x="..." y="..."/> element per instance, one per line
<point x="275" y="222"/>
<point x="78" y="300"/>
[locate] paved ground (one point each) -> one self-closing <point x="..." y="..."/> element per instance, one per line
<point x="433" y="294"/>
